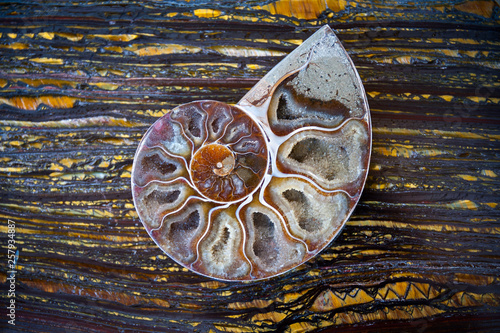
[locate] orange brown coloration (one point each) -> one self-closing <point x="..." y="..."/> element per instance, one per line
<point x="213" y="159"/>
<point x="220" y="174"/>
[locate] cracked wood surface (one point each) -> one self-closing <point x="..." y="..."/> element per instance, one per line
<point x="81" y="82"/>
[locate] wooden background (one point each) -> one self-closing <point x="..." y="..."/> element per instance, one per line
<point x="80" y="82"/>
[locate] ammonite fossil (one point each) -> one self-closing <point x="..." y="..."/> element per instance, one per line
<point x="252" y="190"/>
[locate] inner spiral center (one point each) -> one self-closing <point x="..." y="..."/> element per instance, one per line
<point x="224" y="167"/>
<point x="212" y="169"/>
<point x="215" y="157"/>
<point x="230" y="155"/>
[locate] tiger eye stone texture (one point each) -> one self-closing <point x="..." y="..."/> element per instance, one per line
<point x="81" y="84"/>
<point x="253" y="190"/>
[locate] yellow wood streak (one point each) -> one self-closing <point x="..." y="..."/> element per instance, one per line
<point x="272" y="317"/>
<point x="68" y="162"/>
<point x="225" y="327"/>
<point x="397" y="150"/>
<point x="489" y="173"/>
<point x="292" y="296"/>
<point x="429" y="227"/>
<point x="105" y="85"/>
<point x="467" y="177"/>
<point x="214" y="284"/>
<point x="207" y="13"/>
<point x="303" y="9"/>
<point x="49" y="82"/>
<point x="163" y="49"/>
<point x="307" y="327"/>
<point x="458" y="204"/>
<point x="37" y="142"/>
<point x="417" y="53"/>
<point x="76" y="123"/>
<point x="233" y="17"/>
<point x="15" y="46"/>
<point x="393" y="313"/>
<point x="81" y="212"/>
<point x="418" y="97"/>
<point x="435" y="133"/>
<point x="254" y="66"/>
<point x="470" y="299"/>
<point x="70" y="36"/>
<point x="242" y="51"/>
<point x="32" y="103"/>
<point x="120" y="315"/>
<point x="114" y="38"/>
<point x="477" y="280"/>
<point x="462" y="204"/>
<point x="86" y="240"/>
<point x="482" y="8"/>
<point x="407" y="290"/>
<point x="48" y="61"/>
<point x="204" y="64"/>
<point x="46" y="35"/>
<point x="257" y="303"/>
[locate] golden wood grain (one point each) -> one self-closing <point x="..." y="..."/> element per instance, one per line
<point x="81" y="83"/>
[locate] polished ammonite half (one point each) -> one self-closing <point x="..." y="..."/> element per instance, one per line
<point x="249" y="191"/>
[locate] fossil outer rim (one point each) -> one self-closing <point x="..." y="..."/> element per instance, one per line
<point x="301" y="152"/>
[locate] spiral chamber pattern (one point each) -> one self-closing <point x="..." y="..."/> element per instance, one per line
<point x="251" y="191"/>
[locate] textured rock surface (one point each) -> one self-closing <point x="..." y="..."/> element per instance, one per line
<point x="80" y="84"/>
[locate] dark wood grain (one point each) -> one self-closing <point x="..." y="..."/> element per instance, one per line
<point x="81" y="82"/>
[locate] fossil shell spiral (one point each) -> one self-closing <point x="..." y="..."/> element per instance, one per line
<point x="250" y="191"/>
